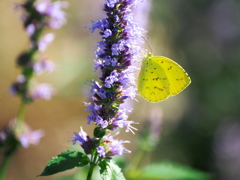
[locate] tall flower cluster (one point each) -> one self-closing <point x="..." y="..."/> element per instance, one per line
<point x="115" y="54"/>
<point x="38" y="15"/>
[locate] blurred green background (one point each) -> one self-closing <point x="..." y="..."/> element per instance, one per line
<point x="201" y="126"/>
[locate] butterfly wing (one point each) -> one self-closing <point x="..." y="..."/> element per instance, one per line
<point x="177" y="76"/>
<point x="153" y="82"/>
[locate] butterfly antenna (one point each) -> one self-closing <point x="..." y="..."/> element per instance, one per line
<point x="148" y="42"/>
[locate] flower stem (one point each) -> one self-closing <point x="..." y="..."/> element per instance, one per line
<point x="90" y="172"/>
<point x="14" y="146"/>
<point x="20" y="118"/>
<point x="4" y="166"/>
<point x="21" y="112"/>
<point x="135" y="164"/>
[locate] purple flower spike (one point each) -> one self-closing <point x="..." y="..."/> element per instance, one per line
<point x="115" y="54"/>
<point x="119" y="47"/>
<point x="37" y="16"/>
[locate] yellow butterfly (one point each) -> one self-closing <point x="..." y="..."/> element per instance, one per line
<point x="161" y="77"/>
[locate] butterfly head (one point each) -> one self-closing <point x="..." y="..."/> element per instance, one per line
<point x="148" y="55"/>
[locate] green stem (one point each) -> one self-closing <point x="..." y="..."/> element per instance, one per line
<point x="90" y="172"/>
<point x="95" y="158"/>
<point x="21" y="112"/>
<point x="135" y="164"/>
<point x="92" y="165"/>
<point x="18" y="129"/>
<point x="20" y="118"/>
<point x="141" y="157"/>
<point x="4" y="166"/>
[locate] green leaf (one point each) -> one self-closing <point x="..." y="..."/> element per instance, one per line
<point x="171" y="171"/>
<point x="67" y="160"/>
<point x="99" y="132"/>
<point x="110" y="171"/>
